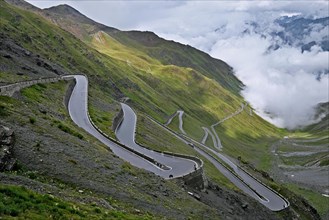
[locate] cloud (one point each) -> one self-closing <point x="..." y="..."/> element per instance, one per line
<point x="283" y="82"/>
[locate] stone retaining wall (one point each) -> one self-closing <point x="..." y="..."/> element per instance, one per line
<point x="117" y="120"/>
<point x="69" y="92"/>
<point x="196" y="178"/>
<point x="9" y="90"/>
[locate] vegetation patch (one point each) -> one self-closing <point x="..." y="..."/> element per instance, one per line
<point x="128" y="168"/>
<point x="33" y="92"/>
<point x="68" y="130"/>
<point x="32" y="120"/>
<point x="19" y="202"/>
<point x="3" y="110"/>
<point x="324" y="162"/>
<point x="314" y="198"/>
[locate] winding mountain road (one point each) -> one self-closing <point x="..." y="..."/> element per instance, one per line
<point x="171" y="166"/>
<point x="207" y="132"/>
<point x="126" y="135"/>
<point x="161" y="164"/>
<point x="180" y="118"/>
<point x="240" y="178"/>
<point x="249" y="184"/>
<point x="215" y="138"/>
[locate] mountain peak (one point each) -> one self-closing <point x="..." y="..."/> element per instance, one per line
<point x="64" y="9"/>
<point x="72" y="20"/>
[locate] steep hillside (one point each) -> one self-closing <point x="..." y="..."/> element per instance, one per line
<point x="136" y="65"/>
<point x="56" y="157"/>
<point x="170" y="52"/>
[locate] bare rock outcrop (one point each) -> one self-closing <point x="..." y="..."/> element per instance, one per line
<point x="7" y="140"/>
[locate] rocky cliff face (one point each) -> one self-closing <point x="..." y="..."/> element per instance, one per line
<point x="7" y="139"/>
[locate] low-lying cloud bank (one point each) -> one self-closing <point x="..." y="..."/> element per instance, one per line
<point x="281" y="82"/>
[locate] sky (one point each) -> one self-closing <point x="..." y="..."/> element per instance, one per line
<point x="280" y="82"/>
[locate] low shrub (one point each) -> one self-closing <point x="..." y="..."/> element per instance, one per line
<point x="68" y="130"/>
<point x="32" y="120"/>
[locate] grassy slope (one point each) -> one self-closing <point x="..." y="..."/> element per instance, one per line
<point x="242" y="135"/>
<point x="148" y="135"/>
<point x="19" y="202"/>
<point x="154" y="87"/>
<point x="249" y="137"/>
<point x="164" y="88"/>
<point x="314" y="198"/>
<point x="172" y="53"/>
<point x="167" y="52"/>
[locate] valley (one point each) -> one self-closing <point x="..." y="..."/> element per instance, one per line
<point x="59" y="152"/>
